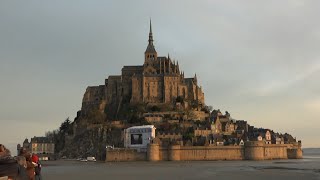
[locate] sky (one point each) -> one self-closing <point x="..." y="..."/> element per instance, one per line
<point x="258" y="60"/>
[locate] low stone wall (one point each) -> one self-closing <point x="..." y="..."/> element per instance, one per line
<point x="255" y="150"/>
<point x="164" y="153"/>
<point x="211" y="153"/>
<point x="122" y="154"/>
<point x="294" y="151"/>
<point x="275" y="151"/>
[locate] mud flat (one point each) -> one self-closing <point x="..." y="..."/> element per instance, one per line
<point x="307" y="168"/>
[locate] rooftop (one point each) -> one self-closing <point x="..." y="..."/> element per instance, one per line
<point x="143" y="126"/>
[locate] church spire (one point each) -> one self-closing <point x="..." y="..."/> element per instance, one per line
<point x="150" y="53"/>
<point x="150" y="34"/>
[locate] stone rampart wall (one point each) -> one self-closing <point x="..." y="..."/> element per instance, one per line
<point x="203" y="153"/>
<point x="121" y="154"/>
<point x="275" y="151"/>
<point x="250" y="151"/>
<point x="164" y="154"/>
<point x="294" y="151"/>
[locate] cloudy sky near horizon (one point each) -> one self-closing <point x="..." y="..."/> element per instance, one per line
<point x="259" y="60"/>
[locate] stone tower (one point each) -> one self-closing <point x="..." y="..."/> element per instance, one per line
<point x="150" y="54"/>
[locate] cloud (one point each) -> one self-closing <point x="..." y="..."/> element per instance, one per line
<point x="313" y="105"/>
<point x="284" y="83"/>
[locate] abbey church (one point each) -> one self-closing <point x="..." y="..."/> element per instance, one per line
<point x="158" y="81"/>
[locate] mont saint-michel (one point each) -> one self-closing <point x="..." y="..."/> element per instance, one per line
<point x="152" y="112"/>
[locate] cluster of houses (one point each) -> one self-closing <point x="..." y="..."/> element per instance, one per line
<point x="225" y="130"/>
<point x="217" y="130"/>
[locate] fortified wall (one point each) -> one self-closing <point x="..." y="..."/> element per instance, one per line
<point x="252" y="150"/>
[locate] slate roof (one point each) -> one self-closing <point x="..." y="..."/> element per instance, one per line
<point x="150" y="48"/>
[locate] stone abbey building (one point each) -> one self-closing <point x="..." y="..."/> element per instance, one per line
<point x="158" y="81"/>
<point x="181" y="125"/>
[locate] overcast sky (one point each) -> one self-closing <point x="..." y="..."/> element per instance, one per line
<point x="259" y="60"/>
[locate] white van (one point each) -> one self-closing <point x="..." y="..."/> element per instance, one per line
<point x="90" y="158"/>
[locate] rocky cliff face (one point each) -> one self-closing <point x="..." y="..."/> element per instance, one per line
<point x="91" y="141"/>
<point x="90" y="130"/>
<point x="94" y="99"/>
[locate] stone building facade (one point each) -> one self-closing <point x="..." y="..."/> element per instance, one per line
<point x="158" y="81"/>
<point x="41" y="146"/>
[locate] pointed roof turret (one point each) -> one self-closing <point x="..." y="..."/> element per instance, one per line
<point x="178" y="69"/>
<point x="150" y="47"/>
<point x="150" y="34"/>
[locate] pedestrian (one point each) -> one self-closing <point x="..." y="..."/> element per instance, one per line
<point x="37" y="169"/>
<point x="9" y="167"/>
<point x="22" y="171"/>
<point x="30" y="166"/>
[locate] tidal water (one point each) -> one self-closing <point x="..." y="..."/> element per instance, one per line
<point x="300" y="169"/>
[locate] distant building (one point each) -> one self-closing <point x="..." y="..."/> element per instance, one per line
<point x="268" y="137"/>
<point x="203" y="132"/>
<point x="138" y="137"/>
<point x="223" y="124"/>
<point x="153" y="118"/>
<point x="42" y="146"/>
<point x="26" y="145"/>
<point x="279" y="140"/>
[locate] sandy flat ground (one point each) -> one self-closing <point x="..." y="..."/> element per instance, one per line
<point x="304" y="169"/>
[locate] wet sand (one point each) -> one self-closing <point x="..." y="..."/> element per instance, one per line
<point x="307" y="169"/>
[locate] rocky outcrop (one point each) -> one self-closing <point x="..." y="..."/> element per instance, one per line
<point x="92" y="142"/>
